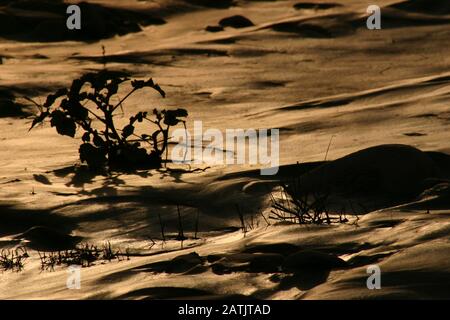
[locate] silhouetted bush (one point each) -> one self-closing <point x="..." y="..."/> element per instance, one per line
<point x="88" y="99"/>
<point x="296" y="205"/>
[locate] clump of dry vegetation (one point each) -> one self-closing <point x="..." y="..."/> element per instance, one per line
<point x="13" y="259"/>
<point x="83" y="255"/>
<point x="293" y="203"/>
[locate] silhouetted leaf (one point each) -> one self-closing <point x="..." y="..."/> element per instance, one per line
<point x="113" y="85"/>
<point x="41" y="117"/>
<point x="75" y="88"/>
<point x="64" y="125"/>
<point x="157" y="114"/>
<point x="170" y="120"/>
<point x="94" y="157"/>
<point x="74" y="109"/>
<point x="140" y="116"/>
<point x="86" y="137"/>
<point x="52" y="97"/>
<point x="171" y="116"/>
<point x="137" y="84"/>
<point x="161" y="91"/>
<point x="127" y="131"/>
<point x="98" y="141"/>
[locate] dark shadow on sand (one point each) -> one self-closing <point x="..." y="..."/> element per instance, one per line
<point x="45" y="21"/>
<point x="15" y="220"/>
<point x="9" y="107"/>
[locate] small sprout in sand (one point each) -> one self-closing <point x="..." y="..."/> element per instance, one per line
<point x="197" y="217"/>
<point x="249" y="223"/>
<point x="161" y="224"/>
<point x="261" y="212"/>
<point x="241" y="219"/>
<point x="180" y="236"/>
<point x="153" y="243"/>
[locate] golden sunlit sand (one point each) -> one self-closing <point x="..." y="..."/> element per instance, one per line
<point x="365" y="113"/>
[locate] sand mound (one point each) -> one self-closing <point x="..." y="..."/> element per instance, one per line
<point x="31" y="20"/>
<point x="315" y="6"/>
<point x="247" y="262"/>
<point x="176" y="292"/>
<point x="410" y="13"/>
<point x="418" y="272"/>
<point x="15" y="220"/>
<point x="398" y="19"/>
<point x="214" y="28"/>
<point x="219" y="4"/>
<point x="236" y="21"/>
<point x="47" y="239"/>
<point x="328" y="26"/>
<point x="180" y="264"/>
<point x="442" y="160"/>
<point x="280" y="248"/>
<point x="435" y="198"/>
<point x="311" y="260"/>
<point x="343" y="24"/>
<point x="305" y="29"/>
<point x="437" y="7"/>
<point x="396" y="170"/>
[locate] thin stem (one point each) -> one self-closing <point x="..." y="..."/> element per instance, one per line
<point x="166" y="138"/>
<point x="95" y="115"/>
<point x="123" y="99"/>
